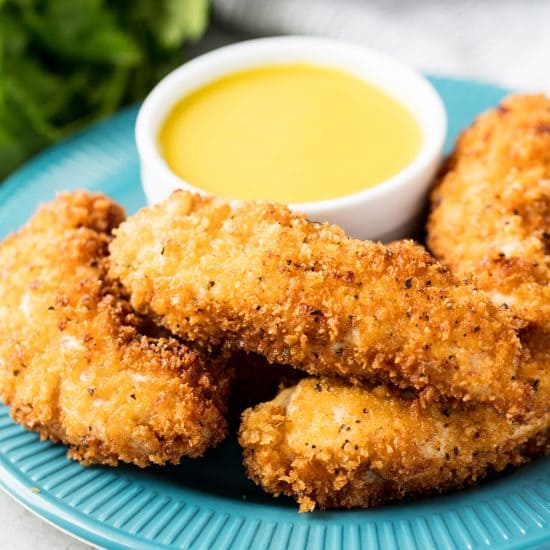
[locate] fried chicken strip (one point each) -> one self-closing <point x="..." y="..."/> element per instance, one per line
<point x="258" y="278"/>
<point x="490" y="220"/>
<point x="75" y="364"/>
<point x="332" y="445"/>
<point x="491" y="208"/>
<point x="537" y="372"/>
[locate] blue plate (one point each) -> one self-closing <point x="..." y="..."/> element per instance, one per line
<point x="209" y="503"/>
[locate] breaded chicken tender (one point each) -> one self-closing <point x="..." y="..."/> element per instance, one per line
<point x="76" y="364"/>
<point x="491" y="208"/>
<point x="332" y="445"/>
<point x="537" y="372"/>
<point x="258" y="278"/>
<point x="490" y="220"/>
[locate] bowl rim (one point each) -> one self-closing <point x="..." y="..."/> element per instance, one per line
<point x="163" y="98"/>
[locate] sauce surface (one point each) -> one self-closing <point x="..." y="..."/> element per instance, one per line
<point x="288" y="133"/>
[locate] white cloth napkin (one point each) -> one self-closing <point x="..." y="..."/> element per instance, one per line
<point x="506" y="42"/>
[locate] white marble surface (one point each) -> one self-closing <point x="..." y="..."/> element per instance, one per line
<point x="21" y="530"/>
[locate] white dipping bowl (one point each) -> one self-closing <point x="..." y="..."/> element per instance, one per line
<point x="387" y="211"/>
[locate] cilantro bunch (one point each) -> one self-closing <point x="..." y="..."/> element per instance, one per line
<point x="65" y="63"/>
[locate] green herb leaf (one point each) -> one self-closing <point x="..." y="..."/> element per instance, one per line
<point x="64" y="63"/>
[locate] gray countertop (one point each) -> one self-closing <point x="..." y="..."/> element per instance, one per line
<point x="22" y="530"/>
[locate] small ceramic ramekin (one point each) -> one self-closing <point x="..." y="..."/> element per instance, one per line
<point x="386" y="211"/>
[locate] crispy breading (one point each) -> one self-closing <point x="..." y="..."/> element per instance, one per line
<point x="537" y="372"/>
<point x="332" y="445"/>
<point x="258" y="278"/>
<point x="490" y="219"/>
<point x="491" y="207"/>
<point x="75" y="363"/>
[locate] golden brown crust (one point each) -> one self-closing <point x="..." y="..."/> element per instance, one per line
<point x="258" y="278"/>
<point x="75" y="365"/>
<point x="536" y="371"/>
<point x="331" y="445"/>
<point x="490" y="219"/>
<point x="491" y="208"/>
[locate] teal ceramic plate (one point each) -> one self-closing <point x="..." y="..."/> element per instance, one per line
<point x="209" y="503"/>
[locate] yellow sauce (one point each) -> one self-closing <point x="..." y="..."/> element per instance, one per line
<point x="289" y="133"/>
